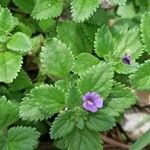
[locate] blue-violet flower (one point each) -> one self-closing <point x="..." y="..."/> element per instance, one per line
<point x="127" y="58"/>
<point x="92" y="101"/>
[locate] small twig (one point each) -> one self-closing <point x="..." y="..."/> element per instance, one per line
<point x="119" y="135"/>
<point x="108" y="146"/>
<point x="113" y="142"/>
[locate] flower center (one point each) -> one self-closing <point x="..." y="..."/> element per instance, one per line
<point x="90" y="101"/>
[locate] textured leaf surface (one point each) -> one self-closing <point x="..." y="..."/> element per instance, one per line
<point x="90" y="30"/>
<point x="62" y="84"/>
<point x="6" y="21"/>
<point x="21" y="27"/>
<point x="21" y="82"/>
<point x="121" y="98"/>
<point x="10" y="64"/>
<point x="130" y="43"/>
<point x="100" y="121"/>
<point x="47" y="24"/>
<point x="43" y="101"/>
<point x="83" y="140"/>
<point x="8" y="113"/>
<point x="3" y="139"/>
<point x="22" y="138"/>
<point x="83" y="9"/>
<point x="103" y="42"/>
<point x="141" y="77"/>
<point x="144" y="5"/>
<point x="145" y="24"/>
<point x="119" y="2"/>
<point x="45" y="9"/>
<point x="36" y="43"/>
<point x="100" y="17"/>
<point x="73" y="96"/>
<point x="83" y="62"/>
<point x="62" y="125"/>
<point x="19" y="42"/>
<point x="126" y="11"/>
<point x="3" y="37"/>
<point x="29" y="111"/>
<point x="123" y="68"/>
<point x="25" y="5"/>
<point x="56" y="59"/>
<point x="75" y="37"/>
<point x="98" y="79"/>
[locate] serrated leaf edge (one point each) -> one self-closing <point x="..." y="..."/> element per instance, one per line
<point x="42" y="55"/>
<point x="82" y="19"/>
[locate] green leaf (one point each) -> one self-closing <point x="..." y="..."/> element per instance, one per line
<point x="73" y="96"/>
<point x="142" y="142"/>
<point x="8" y="113"/>
<point x="10" y="64"/>
<point x="3" y="37"/>
<point x="26" y="5"/>
<point x="3" y="140"/>
<point x="24" y="28"/>
<point x="36" y="41"/>
<point x="59" y="143"/>
<point x="42" y="102"/>
<point x="103" y="42"/>
<point x="19" y="42"/>
<point x="45" y="9"/>
<point x="128" y="43"/>
<point x="101" y="17"/>
<point x="100" y="121"/>
<point x="22" y="138"/>
<point x="121" y="98"/>
<point x="141" y="77"/>
<point x="75" y="37"/>
<point x="90" y="30"/>
<point x="144" y="5"/>
<point x="21" y="82"/>
<point x="52" y="52"/>
<point x="83" y="9"/>
<point x="83" y="140"/>
<point x="4" y="3"/>
<point x="119" y="2"/>
<point x="145" y="32"/>
<point x="98" y="79"/>
<point x="122" y="68"/>
<point x="6" y="21"/>
<point x="83" y="62"/>
<point x="29" y="111"/>
<point x="127" y="11"/>
<point x="120" y="29"/>
<point x="46" y="25"/>
<point x="62" y="125"/>
<point x="63" y="85"/>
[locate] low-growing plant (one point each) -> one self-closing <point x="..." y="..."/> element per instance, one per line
<point x="88" y="58"/>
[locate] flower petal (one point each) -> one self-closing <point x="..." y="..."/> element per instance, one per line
<point x="86" y="96"/>
<point x="98" y="102"/>
<point x="91" y="108"/>
<point x="126" y="59"/>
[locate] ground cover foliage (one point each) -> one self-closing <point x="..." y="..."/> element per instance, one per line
<point x="70" y="68"/>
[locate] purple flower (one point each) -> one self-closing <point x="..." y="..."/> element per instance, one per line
<point x="126" y="59"/>
<point x="92" y="101"/>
